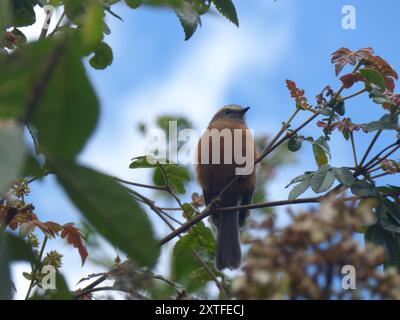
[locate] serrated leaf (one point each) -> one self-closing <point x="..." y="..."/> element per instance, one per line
<point x="103" y="56"/>
<point x="344" y="176"/>
<point x="188" y="17"/>
<point x="322" y="180"/>
<point x="374" y="76"/>
<point x="299" y="189"/>
<point x="228" y="10"/>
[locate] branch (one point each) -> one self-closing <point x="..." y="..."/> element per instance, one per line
<point x="163" y="188"/>
<point x="377" y="134"/>
<point x="353" y="147"/>
<point x="376" y="160"/>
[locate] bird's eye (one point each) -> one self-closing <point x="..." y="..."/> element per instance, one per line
<point x="228" y="111"/>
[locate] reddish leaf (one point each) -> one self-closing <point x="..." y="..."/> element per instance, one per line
<point x="297" y="94"/>
<point x="387" y="71"/>
<point x="351" y="78"/>
<point x="74" y="237"/>
<point x="344" y="56"/>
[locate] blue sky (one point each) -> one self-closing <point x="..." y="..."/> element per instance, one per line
<point x="155" y="72"/>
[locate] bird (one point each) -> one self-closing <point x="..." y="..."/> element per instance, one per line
<point x="213" y="178"/>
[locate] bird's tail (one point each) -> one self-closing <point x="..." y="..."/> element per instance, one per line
<point x="228" y="240"/>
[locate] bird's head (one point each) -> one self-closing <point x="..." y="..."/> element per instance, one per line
<point x="231" y="112"/>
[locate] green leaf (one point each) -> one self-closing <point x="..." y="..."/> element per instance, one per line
<point x="294" y="144"/>
<point x="92" y="25"/>
<point x="363" y="188"/>
<point x="344" y="176"/>
<point x="110" y="209"/>
<point x="375" y="77"/>
<point x="5" y="17"/>
<point x="68" y="111"/>
<point x="12" y="153"/>
<point x="389" y="215"/>
<point x="339" y="108"/>
<point x="322" y="180"/>
<point x="228" y="10"/>
<point x="321" y="151"/>
<point x="320" y="155"/>
<point x="134" y="4"/>
<point x="103" y="56"/>
<point x="12" y="248"/>
<point x="389" y="240"/>
<point x="143" y="162"/>
<point x="299" y="188"/>
<point x="18" y="72"/>
<point x="24" y="15"/>
<point x="32" y="167"/>
<point x="299" y="178"/>
<point x="386" y="122"/>
<point x="189" y="18"/>
<point x="186" y="269"/>
<point x="375" y="234"/>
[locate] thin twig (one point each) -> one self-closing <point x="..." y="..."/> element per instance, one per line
<point x="381" y="175"/>
<point x="370" y="146"/>
<point x="377" y="159"/>
<point x="353" y="147"/>
<point x="352" y="95"/>
<point x="163" y="188"/>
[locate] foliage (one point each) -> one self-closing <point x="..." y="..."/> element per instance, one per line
<point x="304" y="260"/>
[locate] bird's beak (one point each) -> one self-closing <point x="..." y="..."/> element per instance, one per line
<point x="244" y="110"/>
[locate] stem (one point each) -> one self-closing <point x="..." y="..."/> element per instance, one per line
<point x="352" y="95"/>
<point x="34" y="270"/>
<point x="354" y="149"/>
<point x="58" y="24"/>
<point x="377" y="134"/>
<point x="207" y="212"/>
<point x="376" y="160"/>
<point x="380" y="175"/>
<point x="163" y="188"/>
